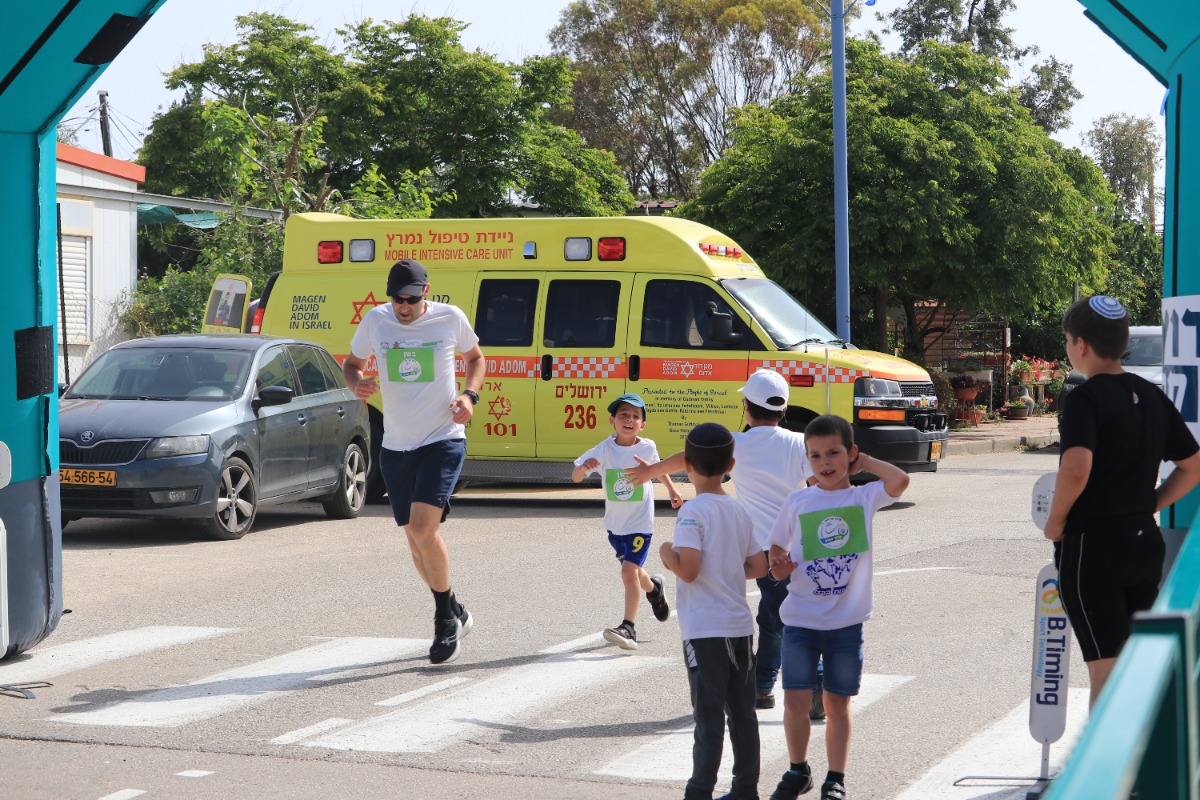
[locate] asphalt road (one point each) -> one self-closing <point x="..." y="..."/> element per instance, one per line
<point x="291" y="664"/>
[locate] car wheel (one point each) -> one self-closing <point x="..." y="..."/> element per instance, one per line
<point x="237" y="502"/>
<point x="351" y="494"/>
<point x="376" y="490"/>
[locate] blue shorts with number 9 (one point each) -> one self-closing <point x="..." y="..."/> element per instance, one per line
<point x="632" y="547"/>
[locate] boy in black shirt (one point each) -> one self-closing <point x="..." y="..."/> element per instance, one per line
<point x="1117" y="429"/>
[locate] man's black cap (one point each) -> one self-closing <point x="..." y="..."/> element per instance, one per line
<point x="407" y="277"/>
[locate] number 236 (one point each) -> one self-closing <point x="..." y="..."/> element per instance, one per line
<point x="580" y="417"/>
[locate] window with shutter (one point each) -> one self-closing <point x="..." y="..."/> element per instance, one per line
<point x="75" y="258"/>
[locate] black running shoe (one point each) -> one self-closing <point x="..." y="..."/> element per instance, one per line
<point x="623" y="636"/>
<point x="792" y="785"/>
<point x="447" y="634"/>
<point x="658" y="599"/>
<point x="832" y="790"/>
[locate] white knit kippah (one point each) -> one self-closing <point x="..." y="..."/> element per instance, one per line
<point x="1107" y="307"/>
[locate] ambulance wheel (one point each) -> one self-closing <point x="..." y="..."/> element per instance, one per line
<point x="376" y="490"/>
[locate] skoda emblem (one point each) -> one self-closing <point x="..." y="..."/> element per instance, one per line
<point x="87" y="436"/>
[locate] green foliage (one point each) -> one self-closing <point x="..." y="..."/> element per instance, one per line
<point x="956" y="194"/>
<point x="1127" y="150"/>
<point x="658" y="81"/>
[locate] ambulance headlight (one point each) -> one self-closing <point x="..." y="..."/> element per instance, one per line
<point x="877" y="393"/>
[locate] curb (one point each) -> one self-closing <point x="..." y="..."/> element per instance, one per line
<point x="1000" y="444"/>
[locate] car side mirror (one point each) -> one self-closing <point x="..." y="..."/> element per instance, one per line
<point x="62" y="388"/>
<point x="273" y="396"/>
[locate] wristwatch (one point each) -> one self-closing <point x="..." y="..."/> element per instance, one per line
<point x="474" y="395"/>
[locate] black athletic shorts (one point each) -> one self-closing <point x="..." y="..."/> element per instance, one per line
<point x="1104" y="577"/>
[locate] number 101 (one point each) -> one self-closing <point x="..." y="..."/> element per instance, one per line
<point x="500" y="429"/>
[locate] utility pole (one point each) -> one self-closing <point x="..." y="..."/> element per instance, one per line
<point x="105" y="136"/>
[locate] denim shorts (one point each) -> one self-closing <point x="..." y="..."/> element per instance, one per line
<point x="425" y="475"/>
<point x="632" y="547"/>
<point x="840" y="649"/>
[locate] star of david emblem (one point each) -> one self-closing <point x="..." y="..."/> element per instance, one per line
<point x="687" y="369"/>
<point x="500" y="407"/>
<point x="367" y="304"/>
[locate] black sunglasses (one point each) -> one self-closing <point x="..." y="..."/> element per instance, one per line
<point x="412" y="301"/>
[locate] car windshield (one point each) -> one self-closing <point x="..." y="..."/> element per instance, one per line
<point x="164" y="373"/>
<point x="1144" y="351"/>
<point x="783" y="318"/>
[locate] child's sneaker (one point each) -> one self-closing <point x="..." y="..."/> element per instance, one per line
<point x="792" y="785"/>
<point x="832" y="790"/>
<point x="658" y="599"/>
<point x="623" y="636"/>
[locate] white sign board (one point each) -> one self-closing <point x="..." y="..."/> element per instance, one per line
<point x="1043" y="494"/>
<point x="1181" y="356"/>
<point x="5" y="465"/>
<point x="1051" y="661"/>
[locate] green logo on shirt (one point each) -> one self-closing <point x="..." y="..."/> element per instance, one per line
<point x="621" y="489"/>
<point x="833" y="532"/>
<point x="410" y="364"/>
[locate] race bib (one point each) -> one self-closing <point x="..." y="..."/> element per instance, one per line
<point x="833" y="532"/>
<point x="410" y="364"/>
<point x="621" y="489"/>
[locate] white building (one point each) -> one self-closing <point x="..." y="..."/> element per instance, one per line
<point x="97" y="200"/>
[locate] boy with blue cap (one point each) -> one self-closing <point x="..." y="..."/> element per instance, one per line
<point x="628" y="510"/>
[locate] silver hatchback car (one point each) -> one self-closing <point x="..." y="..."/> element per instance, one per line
<point x="210" y="428"/>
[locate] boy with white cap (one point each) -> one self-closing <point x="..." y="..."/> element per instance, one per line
<point x="770" y="464"/>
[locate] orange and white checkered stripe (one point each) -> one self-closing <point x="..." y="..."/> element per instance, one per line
<point x="588" y="367"/>
<point x="816" y="369"/>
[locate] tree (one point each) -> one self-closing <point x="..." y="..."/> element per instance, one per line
<point x="957" y="195"/>
<point x="1126" y="148"/>
<point x="1048" y="91"/>
<point x="658" y="78"/>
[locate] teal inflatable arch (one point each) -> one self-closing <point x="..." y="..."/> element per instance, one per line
<point x="1163" y="37"/>
<point x="51" y="53"/>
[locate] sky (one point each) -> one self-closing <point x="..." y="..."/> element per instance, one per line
<point x="1111" y="81"/>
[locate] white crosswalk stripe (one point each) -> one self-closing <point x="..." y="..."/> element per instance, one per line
<point x="437" y="722"/>
<point x="46" y="663"/>
<point x="669" y="758"/>
<point x="246" y="686"/>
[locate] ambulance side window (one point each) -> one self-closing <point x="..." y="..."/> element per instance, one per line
<point x="504" y="313"/>
<point x="582" y="313"/>
<point x="681" y="314"/>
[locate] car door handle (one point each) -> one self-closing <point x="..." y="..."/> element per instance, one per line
<point x="547" y="366"/>
<point x="303" y="420"/>
<point x="341" y="411"/>
<point x="635" y="368"/>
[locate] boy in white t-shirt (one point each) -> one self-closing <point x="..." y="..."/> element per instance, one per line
<point x="628" y="510"/>
<point x="822" y="538"/>
<point x="713" y="555"/>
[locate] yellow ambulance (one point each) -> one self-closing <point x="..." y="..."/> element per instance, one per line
<point x="572" y="312"/>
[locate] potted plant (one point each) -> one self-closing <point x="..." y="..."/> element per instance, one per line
<point x="1021" y="370"/>
<point x="965" y="387"/>
<point x="1016" y="409"/>
<point x="979" y="411"/>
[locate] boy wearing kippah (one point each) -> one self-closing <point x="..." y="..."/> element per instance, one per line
<point x="713" y="555"/>
<point x="1116" y="430"/>
<point x="628" y="511"/>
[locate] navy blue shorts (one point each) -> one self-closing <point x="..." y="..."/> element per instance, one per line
<point x="425" y="475"/>
<point x="632" y="547"/>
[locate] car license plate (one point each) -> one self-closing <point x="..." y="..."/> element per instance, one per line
<point x="88" y="477"/>
<point x="935" y="451"/>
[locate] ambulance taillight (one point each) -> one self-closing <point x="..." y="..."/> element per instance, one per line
<point x="611" y="248"/>
<point x="329" y="252"/>
<point x="256" y="322"/>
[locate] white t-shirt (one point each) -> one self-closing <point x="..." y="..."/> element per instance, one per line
<point x="628" y="507"/>
<point x="416" y="371"/>
<point x="769" y="464"/>
<point x="714" y="604"/>
<point x="828" y="535"/>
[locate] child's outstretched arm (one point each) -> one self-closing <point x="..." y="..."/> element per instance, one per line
<point x="672" y="491"/>
<point x="1074" y="467"/>
<point x="581" y="471"/>
<point x="644" y="472"/>
<point x="895" y="480"/>
<point x="684" y="562"/>
<point x="781" y="563"/>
